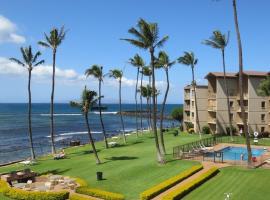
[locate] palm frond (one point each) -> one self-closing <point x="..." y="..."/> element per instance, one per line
<point x="17" y="61"/>
<point x="44" y="44"/>
<point x="39" y="63"/>
<point x="162" y="41"/>
<point x="36" y="56"/>
<point x="136" y="43"/>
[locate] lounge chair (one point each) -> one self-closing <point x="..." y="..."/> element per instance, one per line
<point x="267" y="161"/>
<point x="112" y="144"/>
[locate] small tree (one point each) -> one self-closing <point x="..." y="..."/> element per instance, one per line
<point x="264" y="87"/>
<point x="88" y="99"/>
<point x="177" y="114"/>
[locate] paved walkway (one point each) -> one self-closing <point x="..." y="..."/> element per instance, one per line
<point x="206" y="166"/>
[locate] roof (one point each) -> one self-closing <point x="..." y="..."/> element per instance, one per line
<point x="234" y="75"/>
<point x="220" y="74"/>
<point x="197" y="86"/>
<point x="255" y="73"/>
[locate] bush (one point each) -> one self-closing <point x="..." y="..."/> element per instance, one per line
<point x="206" y="130"/>
<point x="177" y="114"/>
<point x="75" y="196"/>
<point x="233" y="130"/>
<point x="181" y="128"/>
<point x="189" y="125"/>
<point x="264" y="134"/>
<point x="99" y="193"/>
<point x="158" y="189"/>
<point x="175" y="132"/>
<point x="181" y="191"/>
<point x="81" y="182"/>
<point x="191" y="130"/>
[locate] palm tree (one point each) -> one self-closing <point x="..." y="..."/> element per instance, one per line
<point x="118" y="74"/>
<point x="88" y="100"/>
<point x="189" y="59"/>
<point x="165" y="63"/>
<point x="147" y="37"/>
<point x="137" y="62"/>
<point x="147" y="72"/>
<point x="241" y="82"/>
<point x="220" y="41"/>
<point x="146" y="92"/>
<point x="96" y="71"/>
<point x="53" y="41"/>
<point x="29" y="62"/>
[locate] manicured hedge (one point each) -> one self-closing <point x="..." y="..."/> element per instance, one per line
<point x="158" y="189"/>
<point x="75" y="196"/>
<point x="19" y="194"/>
<point x="181" y="191"/>
<point x="99" y="193"/>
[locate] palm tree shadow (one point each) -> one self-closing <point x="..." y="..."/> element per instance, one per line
<point x="54" y="171"/>
<point x="115" y="158"/>
<point x="125" y="145"/>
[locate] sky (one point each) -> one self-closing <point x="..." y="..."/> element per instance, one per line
<point x="94" y="31"/>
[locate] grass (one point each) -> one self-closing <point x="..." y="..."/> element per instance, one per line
<point x="242" y="183"/>
<point x="128" y="169"/>
<point x="242" y="140"/>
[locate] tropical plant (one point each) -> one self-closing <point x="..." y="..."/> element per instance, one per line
<point x="189" y="59"/>
<point x="29" y="61"/>
<point x="165" y="63"/>
<point x="53" y="41"/>
<point x="96" y="71"/>
<point x="264" y="87"/>
<point x="118" y="74"/>
<point x="177" y="114"/>
<point x="137" y="62"/>
<point x="88" y="100"/>
<point x="147" y="37"/>
<point x="220" y="41"/>
<point x="146" y="92"/>
<point x="240" y="55"/>
<point x="206" y="129"/>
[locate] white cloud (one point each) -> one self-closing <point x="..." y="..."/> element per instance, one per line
<point x="8" y="31"/>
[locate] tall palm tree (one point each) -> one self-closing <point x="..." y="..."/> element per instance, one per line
<point x="145" y="94"/>
<point x="189" y="59"/>
<point x="241" y="82"/>
<point x="118" y="74"/>
<point x="53" y="41"/>
<point x="165" y="63"/>
<point x="96" y="71"/>
<point x="29" y="61"/>
<point x="88" y="100"/>
<point x="147" y="72"/>
<point x="220" y="41"/>
<point x="147" y="37"/>
<point x="138" y="62"/>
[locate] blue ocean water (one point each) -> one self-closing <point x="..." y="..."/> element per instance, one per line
<point x="69" y="124"/>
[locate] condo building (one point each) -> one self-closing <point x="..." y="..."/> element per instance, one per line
<point x="212" y="103"/>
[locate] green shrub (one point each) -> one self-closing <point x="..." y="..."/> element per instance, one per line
<point x="206" y="130"/>
<point x="182" y="190"/>
<point x="19" y="194"/>
<point x="99" y="193"/>
<point x="191" y="130"/>
<point x="233" y="130"/>
<point x="81" y="182"/>
<point x="177" y="114"/>
<point x="75" y="196"/>
<point x="158" y="189"/>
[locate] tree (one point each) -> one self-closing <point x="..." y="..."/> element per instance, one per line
<point x="189" y="59"/>
<point x="137" y="62"/>
<point x="88" y="100"/>
<point x="240" y="55"/>
<point x="96" y="71"/>
<point x="147" y="37"/>
<point x="147" y="72"/>
<point x="165" y="63"/>
<point x="29" y="61"/>
<point x="264" y="87"/>
<point x="177" y="114"/>
<point x="118" y="74"/>
<point x="146" y="92"/>
<point x="53" y="41"/>
<point x="220" y="41"/>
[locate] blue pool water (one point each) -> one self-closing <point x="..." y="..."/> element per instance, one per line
<point x="234" y="153"/>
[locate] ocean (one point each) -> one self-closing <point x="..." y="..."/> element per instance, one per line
<point x="69" y="125"/>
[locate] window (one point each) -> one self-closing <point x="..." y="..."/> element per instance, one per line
<point x="231" y="104"/>
<point x="192" y="103"/>
<point x="263" y="117"/>
<point x="192" y="114"/>
<point x="263" y="104"/>
<point x="262" y="129"/>
<point x="231" y="115"/>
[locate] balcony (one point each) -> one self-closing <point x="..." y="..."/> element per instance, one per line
<point x="245" y="107"/>
<point x="187" y="96"/>
<point x="187" y="107"/>
<point x="212" y="121"/>
<point x="212" y="108"/>
<point x="212" y="96"/>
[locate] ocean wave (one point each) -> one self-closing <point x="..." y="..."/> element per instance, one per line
<point x="62" y="114"/>
<point x="74" y="133"/>
<point x="106" y="113"/>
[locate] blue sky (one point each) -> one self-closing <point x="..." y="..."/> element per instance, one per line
<point x="94" y="30"/>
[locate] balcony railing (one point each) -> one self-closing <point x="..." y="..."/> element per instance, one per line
<point x="212" y="120"/>
<point x="245" y="107"/>
<point x="187" y="96"/>
<point x="212" y="108"/>
<point x="212" y="96"/>
<point x="186" y="107"/>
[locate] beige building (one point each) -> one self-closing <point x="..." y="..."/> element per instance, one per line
<point x="212" y="103"/>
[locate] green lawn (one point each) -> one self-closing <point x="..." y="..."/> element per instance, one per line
<point x="242" y="140"/>
<point x="242" y="183"/>
<point x="127" y="169"/>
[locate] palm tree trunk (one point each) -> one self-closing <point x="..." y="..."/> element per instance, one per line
<point x="160" y="158"/>
<point x="120" y="108"/>
<point x="100" y="115"/>
<point x="241" y="84"/>
<point x="141" y="105"/>
<point x="150" y="104"/>
<point x="196" y="105"/>
<point x="52" y="104"/>
<point x="227" y="94"/>
<point x="136" y="100"/>
<point x="91" y="139"/>
<point x="29" y="115"/>
<point x="163" y="149"/>
<point x="148" y="119"/>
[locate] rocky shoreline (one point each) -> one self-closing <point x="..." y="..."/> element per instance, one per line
<point x="144" y="113"/>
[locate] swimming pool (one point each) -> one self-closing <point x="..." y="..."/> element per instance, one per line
<point x="234" y="153"/>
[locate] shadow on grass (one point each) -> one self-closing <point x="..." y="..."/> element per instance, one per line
<point x="83" y="152"/>
<point x="54" y="171"/>
<point x="114" y="158"/>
